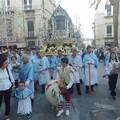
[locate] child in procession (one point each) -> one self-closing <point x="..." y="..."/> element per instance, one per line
<point x="24" y="101"/>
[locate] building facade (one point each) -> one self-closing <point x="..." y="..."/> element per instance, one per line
<point x="103" y="25"/>
<point x="25" y="22"/>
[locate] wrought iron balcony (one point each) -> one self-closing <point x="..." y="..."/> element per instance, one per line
<point x="109" y="35"/>
<point x="28" y="8"/>
<point x="30" y="35"/>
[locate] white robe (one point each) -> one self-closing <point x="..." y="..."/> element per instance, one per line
<point x="76" y="63"/>
<point x="24" y="106"/>
<point x="91" y="76"/>
<point x="42" y="70"/>
<point x="56" y="73"/>
<point x="43" y="77"/>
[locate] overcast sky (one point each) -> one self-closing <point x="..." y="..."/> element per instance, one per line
<point x="81" y="10"/>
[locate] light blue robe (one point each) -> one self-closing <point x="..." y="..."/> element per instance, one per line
<point x="57" y="67"/>
<point x="22" y="94"/>
<point x="26" y="72"/>
<point x="52" y="61"/>
<point x="81" y="52"/>
<point x="58" y="61"/>
<point x="92" y="56"/>
<point x="32" y="58"/>
<point x="52" y="65"/>
<point x="41" y="64"/>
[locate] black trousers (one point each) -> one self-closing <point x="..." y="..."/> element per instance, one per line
<point x="112" y="83"/>
<point x="7" y="96"/>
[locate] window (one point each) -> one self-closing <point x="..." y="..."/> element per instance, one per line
<point x="30" y="26"/>
<point x="109" y="31"/>
<point x="60" y="24"/>
<point x="27" y="4"/>
<point x="109" y="10"/>
<point x="9" y="28"/>
<point x="8" y="2"/>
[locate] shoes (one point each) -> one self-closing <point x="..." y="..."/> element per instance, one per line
<point x="59" y="113"/>
<point x="42" y="92"/>
<point x="28" y="117"/>
<point x="81" y="82"/>
<point x="79" y="93"/>
<point x="67" y="112"/>
<point x="7" y="118"/>
<point x="20" y="116"/>
<point x="114" y="97"/>
<point x="96" y="84"/>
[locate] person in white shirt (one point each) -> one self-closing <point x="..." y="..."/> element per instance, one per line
<point x="6" y="83"/>
<point x="112" y="75"/>
<point x="65" y="82"/>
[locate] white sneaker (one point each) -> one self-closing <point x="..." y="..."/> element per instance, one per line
<point x="59" y="113"/>
<point x="67" y="112"/>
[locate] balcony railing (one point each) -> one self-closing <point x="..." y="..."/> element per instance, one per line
<point x="10" y="8"/>
<point x="108" y="14"/>
<point x="30" y="35"/>
<point x="109" y="35"/>
<point x="28" y="7"/>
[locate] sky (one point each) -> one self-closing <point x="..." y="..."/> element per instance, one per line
<point x="80" y="10"/>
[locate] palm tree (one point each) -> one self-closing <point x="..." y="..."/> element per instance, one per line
<point x="115" y="4"/>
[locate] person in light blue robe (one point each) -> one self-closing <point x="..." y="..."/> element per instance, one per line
<point x="90" y="62"/>
<point x="23" y="94"/>
<point x="17" y="56"/>
<point x="52" y="65"/>
<point x="31" y="56"/>
<point x="81" y="52"/>
<point x="27" y="73"/>
<point x="42" y="69"/>
<point x="76" y="62"/>
<point x="57" y="60"/>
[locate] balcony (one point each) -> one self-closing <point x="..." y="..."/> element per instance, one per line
<point x="108" y="36"/>
<point x="108" y="14"/>
<point x="28" y="8"/>
<point x="10" y="8"/>
<point x="30" y="35"/>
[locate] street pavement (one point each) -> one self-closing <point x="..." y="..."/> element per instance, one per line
<point x="96" y="106"/>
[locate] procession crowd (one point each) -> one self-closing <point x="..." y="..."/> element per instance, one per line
<point x="21" y="70"/>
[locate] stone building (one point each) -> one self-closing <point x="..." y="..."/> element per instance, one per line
<point x="104" y="34"/>
<point x="26" y="22"/>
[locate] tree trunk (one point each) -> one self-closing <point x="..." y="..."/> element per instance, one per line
<point x="115" y="4"/>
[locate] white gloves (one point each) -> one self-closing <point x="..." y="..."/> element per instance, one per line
<point x="58" y="68"/>
<point x="107" y="72"/>
<point x="27" y="82"/>
<point x="76" y="68"/>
